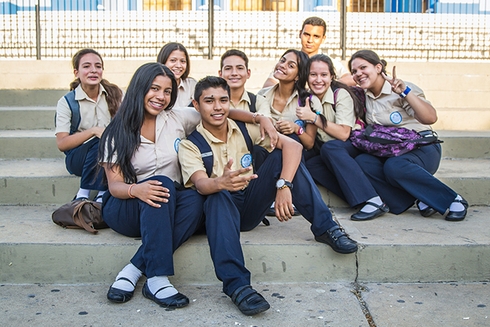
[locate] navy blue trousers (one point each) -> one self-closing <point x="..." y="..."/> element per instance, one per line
<point x="337" y="170"/>
<point x="82" y="161"/>
<point x="162" y="230"/>
<point x="244" y="210"/>
<point x="401" y="180"/>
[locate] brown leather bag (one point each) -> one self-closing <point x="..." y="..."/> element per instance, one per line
<point x="84" y="214"/>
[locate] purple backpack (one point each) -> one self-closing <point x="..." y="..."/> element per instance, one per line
<point x="390" y="141"/>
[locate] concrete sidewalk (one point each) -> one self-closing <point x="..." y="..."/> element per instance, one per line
<point x="303" y="304"/>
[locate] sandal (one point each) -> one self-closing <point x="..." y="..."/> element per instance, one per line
<point x="248" y="301"/>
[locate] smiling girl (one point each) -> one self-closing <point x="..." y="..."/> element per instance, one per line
<point x="81" y="117"/>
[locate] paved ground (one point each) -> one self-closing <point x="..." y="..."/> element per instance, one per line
<point x="308" y="304"/>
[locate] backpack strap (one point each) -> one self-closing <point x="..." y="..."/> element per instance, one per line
<point x="75" y="111"/>
<point x="253" y="100"/>
<point x="206" y="151"/>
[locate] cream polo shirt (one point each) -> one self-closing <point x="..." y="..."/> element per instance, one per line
<point x="389" y="109"/>
<point x="161" y="157"/>
<point x="235" y="147"/>
<point x="185" y="92"/>
<point x="92" y="113"/>
<point x="343" y="114"/>
<point x="265" y="97"/>
<point x="243" y="104"/>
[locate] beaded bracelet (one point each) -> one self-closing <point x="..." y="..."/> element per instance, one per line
<point x="129" y="191"/>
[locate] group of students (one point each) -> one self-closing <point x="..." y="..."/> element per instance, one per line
<point x="179" y="156"/>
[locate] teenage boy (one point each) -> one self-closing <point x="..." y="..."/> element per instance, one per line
<point x="312" y="36"/>
<point x="238" y="198"/>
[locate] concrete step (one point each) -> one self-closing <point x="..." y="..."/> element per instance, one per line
<point x="30" y="97"/>
<point x="35" y="181"/>
<point x="36" y="116"/>
<point x="404" y="248"/>
<point x="293" y="304"/>
<point x="39" y="143"/>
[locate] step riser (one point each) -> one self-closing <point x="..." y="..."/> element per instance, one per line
<point x="27" y="119"/>
<point x="66" y="263"/>
<point x="47" y="190"/>
<point x="20" y="98"/>
<point x="45" y="147"/>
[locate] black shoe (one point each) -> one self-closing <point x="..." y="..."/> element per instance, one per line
<point x="427" y="212"/>
<point x="117" y="295"/>
<point x="175" y="301"/>
<point x="381" y="210"/>
<point x="458" y="215"/>
<point x="249" y="301"/>
<point x="338" y="240"/>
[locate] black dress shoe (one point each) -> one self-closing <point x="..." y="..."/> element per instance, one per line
<point x="427" y="212"/>
<point x="338" y="240"/>
<point x="178" y="300"/>
<point x="381" y="210"/>
<point x="248" y="301"/>
<point x="458" y="215"/>
<point x="117" y="295"/>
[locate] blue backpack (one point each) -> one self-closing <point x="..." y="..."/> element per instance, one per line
<point x="75" y="111"/>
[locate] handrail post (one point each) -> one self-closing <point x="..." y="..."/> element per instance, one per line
<point x="210" y="28"/>
<point x="343" y="27"/>
<point x="38" y="31"/>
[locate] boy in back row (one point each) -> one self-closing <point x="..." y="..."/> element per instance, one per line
<point x="240" y="197"/>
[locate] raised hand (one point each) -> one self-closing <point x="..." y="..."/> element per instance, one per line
<point x="305" y="113"/>
<point x="397" y="85"/>
<point x="232" y="180"/>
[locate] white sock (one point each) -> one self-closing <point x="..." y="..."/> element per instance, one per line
<point x="157" y="282"/>
<point x="83" y="193"/>
<point x="422" y="206"/>
<point x="130" y="272"/>
<point x="272" y="205"/>
<point x="457" y="206"/>
<point x="99" y="196"/>
<point x="369" y="208"/>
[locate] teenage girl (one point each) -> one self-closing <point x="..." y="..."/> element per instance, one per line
<point x="96" y="102"/>
<point x="401" y="180"/>
<point x="174" y="56"/>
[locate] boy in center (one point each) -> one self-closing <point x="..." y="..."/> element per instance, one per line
<point x="239" y="197"/>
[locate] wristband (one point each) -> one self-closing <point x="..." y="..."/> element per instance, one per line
<point x="300" y="131"/>
<point x="405" y="93"/>
<point x="129" y="191"/>
<point x="254" y="115"/>
<point x="316" y="117"/>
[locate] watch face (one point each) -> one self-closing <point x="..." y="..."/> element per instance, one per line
<point x="280" y="183"/>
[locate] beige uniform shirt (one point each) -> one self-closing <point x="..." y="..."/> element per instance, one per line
<point x="243" y="104"/>
<point x="235" y="148"/>
<point x="185" y="92"/>
<point x="161" y="157"/>
<point x="265" y="97"/>
<point x="343" y="114"/>
<point x="92" y="113"/>
<point x="389" y="109"/>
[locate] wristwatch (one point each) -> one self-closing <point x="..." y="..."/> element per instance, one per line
<point x="282" y="183"/>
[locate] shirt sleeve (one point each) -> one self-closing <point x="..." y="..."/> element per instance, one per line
<point x="418" y="92"/>
<point x="340" y="69"/>
<point x="344" y="109"/>
<point x="190" y="161"/>
<point x="262" y="106"/>
<point x="63" y="117"/>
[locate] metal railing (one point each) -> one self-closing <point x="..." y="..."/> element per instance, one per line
<point x="438" y="32"/>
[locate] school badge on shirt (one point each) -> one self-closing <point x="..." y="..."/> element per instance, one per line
<point x="246" y="160"/>
<point x="176" y="144"/>
<point x="396" y="117"/>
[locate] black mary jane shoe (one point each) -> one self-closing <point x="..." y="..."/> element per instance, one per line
<point x="458" y="215"/>
<point x="249" y="301"/>
<point x="338" y="240"/>
<point x="117" y="295"/>
<point x="427" y="212"/>
<point x="178" y="300"/>
<point x="380" y="210"/>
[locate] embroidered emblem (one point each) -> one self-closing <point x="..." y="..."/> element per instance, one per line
<point x="246" y="160"/>
<point x="396" y="117"/>
<point x="176" y="144"/>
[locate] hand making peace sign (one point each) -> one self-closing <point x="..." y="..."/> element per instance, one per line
<point x="397" y="85"/>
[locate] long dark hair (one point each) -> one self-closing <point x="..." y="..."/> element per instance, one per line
<point x="300" y="83"/>
<point x="170" y="47"/>
<point x="121" y="138"/>
<point x="114" y="93"/>
<point x="335" y="84"/>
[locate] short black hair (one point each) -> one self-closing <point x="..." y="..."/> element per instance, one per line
<point x="210" y="82"/>
<point x="234" y="52"/>
<point x="315" y="21"/>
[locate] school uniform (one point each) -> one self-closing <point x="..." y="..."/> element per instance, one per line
<point x="162" y="230"/>
<point x="185" y="92"/>
<point x="244" y="210"/>
<point x="321" y="171"/>
<point x="397" y="180"/>
<point x="243" y="104"/>
<point x="82" y="160"/>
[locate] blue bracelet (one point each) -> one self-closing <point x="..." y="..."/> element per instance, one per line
<point x="405" y="93"/>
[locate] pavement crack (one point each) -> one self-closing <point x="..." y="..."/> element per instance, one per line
<point x="357" y="291"/>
